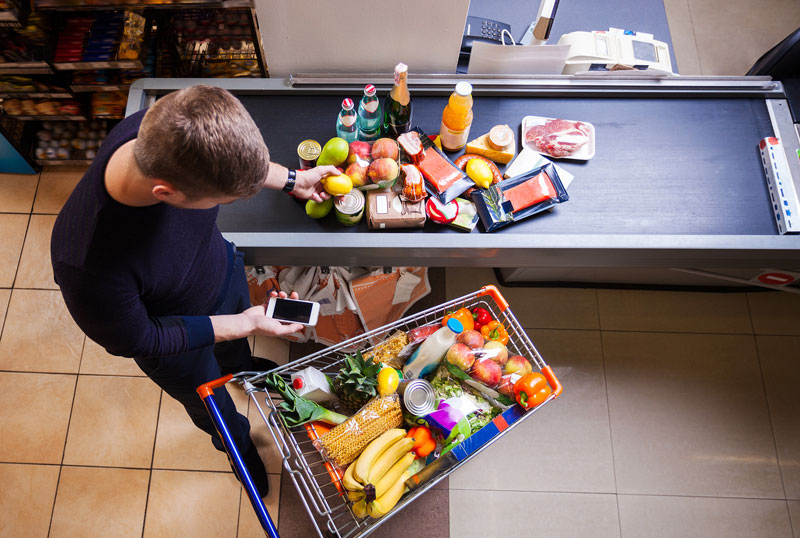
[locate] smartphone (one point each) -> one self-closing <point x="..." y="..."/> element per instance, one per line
<point x="293" y="311"/>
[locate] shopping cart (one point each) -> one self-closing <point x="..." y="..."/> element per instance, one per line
<point x="318" y="483"/>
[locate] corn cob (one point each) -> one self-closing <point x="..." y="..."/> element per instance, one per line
<point x="387" y="350"/>
<point x="346" y="441"/>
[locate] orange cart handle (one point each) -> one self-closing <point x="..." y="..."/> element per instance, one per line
<point x="492" y="290"/>
<point x="555" y="384"/>
<point x="207" y="389"/>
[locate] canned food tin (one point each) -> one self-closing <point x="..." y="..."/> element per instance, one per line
<point x="308" y="151"/>
<point x="419" y="399"/>
<point x="350" y="207"/>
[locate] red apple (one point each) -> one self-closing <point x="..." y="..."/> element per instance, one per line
<point x="496" y="351"/>
<point x="460" y="355"/>
<point x="473" y="339"/>
<point x="358" y="173"/>
<point x="506" y="386"/>
<point x="385" y="147"/>
<point x="517" y="364"/>
<point x="359" y="151"/>
<point x="487" y="372"/>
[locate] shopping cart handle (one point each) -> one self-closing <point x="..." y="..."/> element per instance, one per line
<point x="492" y="290"/>
<point x="207" y="389"/>
<point x="555" y="384"/>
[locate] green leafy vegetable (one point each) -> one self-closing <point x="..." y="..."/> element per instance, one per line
<point x="296" y="410"/>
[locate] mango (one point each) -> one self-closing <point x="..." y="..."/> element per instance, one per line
<point x="318" y="210"/>
<point x="334" y="152"/>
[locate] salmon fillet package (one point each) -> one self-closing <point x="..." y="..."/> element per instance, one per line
<point x="519" y="197"/>
<point x="443" y="179"/>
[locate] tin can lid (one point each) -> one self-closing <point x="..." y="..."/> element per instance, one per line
<point x="350" y="203"/>
<point x="369" y="90"/>
<point x="309" y="149"/>
<point x="347" y="104"/>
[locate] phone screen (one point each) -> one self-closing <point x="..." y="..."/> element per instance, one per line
<point x="288" y="310"/>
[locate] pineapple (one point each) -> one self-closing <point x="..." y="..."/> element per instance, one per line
<point x="357" y="382"/>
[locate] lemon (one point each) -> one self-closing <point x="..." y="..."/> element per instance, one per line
<point x="337" y="185"/>
<point x="388" y="379"/>
<point x="479" y="172"/>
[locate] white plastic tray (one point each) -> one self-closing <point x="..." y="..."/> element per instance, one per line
<point x="585" y="153"/>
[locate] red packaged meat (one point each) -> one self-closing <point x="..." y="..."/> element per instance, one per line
<point x="443" y="179"/>
<point x="412" y="146"/>
<point x="413" y="185"/>
<point x="557" y="138"/>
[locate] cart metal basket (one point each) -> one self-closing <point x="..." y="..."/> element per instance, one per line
<point x="318" y="483"/>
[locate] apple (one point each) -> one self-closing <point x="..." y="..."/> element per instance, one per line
<point x="385" y="147"/>
<point x="358" y="173"/>
<point x="460" y="355"/>
<point x="359" y="151"/>
<point x="473" y="339"/>
<point x="383" y="169"/>
<point x="496" y="351"/>
<point x="506" y="386"/>
<point x="486" y="371"/>
<point x="517" y="364"/>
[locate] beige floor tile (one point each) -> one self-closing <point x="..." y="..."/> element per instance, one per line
<point x="775" y="313"/>
<point x="681" y="31"/>
<point x="17" y="192"/>
<point x="475" y="513"/>
<point x="96" y="360"/>
<point x="249" y="525"/>
<point x="732" y="34"/>
<point x="779" y="364"/>
<point x="564" y="446"/>
<point x="678" y="517"/>
<point x="100" y="503"/>
<point x="190" y="503"/>
<point x="113" y="422"/>
<point x="36" y="410"/>
<point x="5" y="296"/>
<point x="269" y="452"/>
<point x="26" y="499"/>
<point x="181" y="445"/>
<point x="542" y="308"/>
<point x="12" y="236"/>
<point x="40" y="335"/>
<point x="55" y="185"/>
<point x="272" y="348"/>
<point x="689" y="416"/>
<point x="794" y="514"/>
<point x="35" y="269"/>
<point x="673" y="311"/>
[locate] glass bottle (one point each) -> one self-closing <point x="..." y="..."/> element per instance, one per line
<point x="397" y="107"/>
<point x="457" y="118"/>
<point x="369" y="115"/>
<point x="346" y="126"/>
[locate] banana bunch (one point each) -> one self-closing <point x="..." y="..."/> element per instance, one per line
<point x="376" y="480"/>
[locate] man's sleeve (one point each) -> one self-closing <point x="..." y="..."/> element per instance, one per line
<point x="111" y="313"/>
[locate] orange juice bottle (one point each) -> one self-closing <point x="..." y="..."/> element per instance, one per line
<point x="457" y="118"/>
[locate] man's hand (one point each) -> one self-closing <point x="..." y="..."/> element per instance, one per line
<point x="308" y="186"/>
<point x="267" y="326"/>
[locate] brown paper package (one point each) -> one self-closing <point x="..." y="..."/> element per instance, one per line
<point x="385" y="209"/>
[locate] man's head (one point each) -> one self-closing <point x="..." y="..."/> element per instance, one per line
<point x="201" y="142"/>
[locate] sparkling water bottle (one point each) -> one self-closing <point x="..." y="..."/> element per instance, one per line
<point x="346" y="126"/>
<point x="369" y="115"/>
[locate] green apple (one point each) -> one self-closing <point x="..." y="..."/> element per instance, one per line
<point x="318" y="210"/>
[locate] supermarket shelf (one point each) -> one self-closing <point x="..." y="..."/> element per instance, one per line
<point x="83" y="88"/>
<point x="63" y="162"/>
<point x="89" y="66"/>
<point x="25" y="68"/>
<point x="72" y="5"/>
<point x="35" y="95"/>
<point x="107" y="116"/>
<point x="9" y="19"/>
<point x="47" y="118"/>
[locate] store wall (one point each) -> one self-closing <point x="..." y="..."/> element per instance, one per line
<point x="309" y="36"/>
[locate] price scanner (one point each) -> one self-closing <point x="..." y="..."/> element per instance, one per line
<point x="615" y="50"/>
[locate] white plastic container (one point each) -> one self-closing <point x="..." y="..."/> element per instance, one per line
<point x="312" y="385"/>
<point x="430" y="353"/>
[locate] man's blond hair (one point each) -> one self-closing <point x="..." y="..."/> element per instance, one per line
<point x="203" y="142"/>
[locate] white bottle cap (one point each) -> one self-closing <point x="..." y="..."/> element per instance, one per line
<point x="463" y="88"/>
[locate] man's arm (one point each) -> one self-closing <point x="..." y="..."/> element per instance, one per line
<point x="252" y="321"/>
<point x="307" y="183"/>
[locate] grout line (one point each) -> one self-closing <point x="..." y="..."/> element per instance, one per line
<point x="610" y="433"/>
<point x="152" y="459"/>
<point x="63" y="455"/>
<point x="670" y="495"/>
<point x="70" y="373"/>
<point x="21" y="250"/>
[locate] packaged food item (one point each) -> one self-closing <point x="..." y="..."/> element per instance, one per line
<point x="457" y="118"/>
<point x="559" y="138"/>
<point x="520" y="197"/>
<point x="350" y="207"/>
<point x="466" y="216"/>
<point x="312" y="385"/>
<point x="430" y="353"/>
<point x="419" y="334"/>
<point x="488" y="145"/>
<point x="308" y="151"/>
<point x="397" y="107"/>
<point x="412" y="146"/>
<point x="443" y="179"/>
<point x="413" y="184"/>
<point x="418" y="395"/>
<point x="386" y="209"/>
<point x="345" y="442"/>
<point x="387" y="351"/>
<point x="109" y="103"/>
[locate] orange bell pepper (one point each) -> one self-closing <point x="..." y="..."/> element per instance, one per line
<point x="494" y="330"/>
<point x="531" y="390"/>
<point x="464" y="316"/>
<point x="423" y="441"/>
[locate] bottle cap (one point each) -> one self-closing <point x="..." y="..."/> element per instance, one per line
<point x="463" y="88"/>
<point x="297" y="383"/>
<point x="347" y="104"/>
<point x="369" y="90"/>
<point x="400" y="68"/>
<point x="455" y="326"/>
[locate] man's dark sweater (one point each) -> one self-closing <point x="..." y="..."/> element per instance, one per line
<point x="140" y="281"/>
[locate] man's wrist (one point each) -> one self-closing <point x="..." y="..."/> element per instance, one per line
<point x="290" y="181"/>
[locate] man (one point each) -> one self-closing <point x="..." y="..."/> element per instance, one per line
<point x="141" y="264"/>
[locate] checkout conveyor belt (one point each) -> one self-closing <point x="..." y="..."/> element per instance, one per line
<point x="677" y="178"/>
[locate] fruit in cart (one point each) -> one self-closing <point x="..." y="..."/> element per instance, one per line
<point x="393" y="474"/>
<point x="481" y="317"/>
<point x="424" y="443"/>
<point x="349" y="481"/>
<point x="359" y="151"/>
<point x="496" y="351"/>
<point x="337" y="185"/>
<point x="531" y="390"/>
<point x="486" y="371"/>
<point x="460" y="355"/>
<point x="517" y="364"/>
<point x="389" y="457"/>
<point x="506" y="386"/>
<point x="384" y="504"/>
<point x="318" y="210"/>
<point x="385" y="148"/>
<point x="474" y="339"/>
<point x="373" y="451"/>
<point x="383" y="169"/>
<point x="494" y="330"/>
<point x="388" y="380"/>
<point x="334" y="152"/>
<point x="356" y="496"/>
<point x="358" y="173"/>
<point x="360" y="509"/>
<point x="463" y="315"/>
<point x="356" y="382"/>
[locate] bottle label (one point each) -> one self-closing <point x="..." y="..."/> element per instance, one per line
<point x="348" y="121"/>
<point x="371" y="107"/>
<point x="453" y="140"/>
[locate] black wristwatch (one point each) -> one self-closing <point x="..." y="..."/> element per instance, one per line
<point x="290" y="181"/>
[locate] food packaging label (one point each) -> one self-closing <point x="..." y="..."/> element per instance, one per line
<point x="387" y="210"/>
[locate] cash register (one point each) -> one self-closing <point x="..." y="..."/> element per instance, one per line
<point x="615" y="50"/>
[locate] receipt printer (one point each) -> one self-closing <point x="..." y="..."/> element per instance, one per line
<point x="615" y="50"/>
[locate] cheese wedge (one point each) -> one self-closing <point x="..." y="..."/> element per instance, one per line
<point x="480" y="146"/>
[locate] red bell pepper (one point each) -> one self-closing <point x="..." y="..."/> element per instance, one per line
<point x="531" y="390"/>
<point x="481" y="316"/>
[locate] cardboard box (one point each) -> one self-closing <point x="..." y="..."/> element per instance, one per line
<point x="782" y="192"/>
<point x="385" y="209"/>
